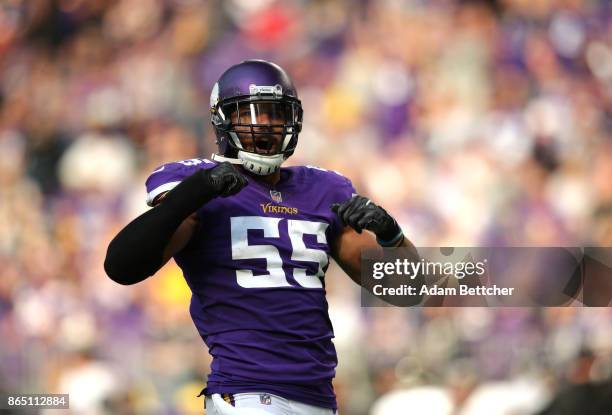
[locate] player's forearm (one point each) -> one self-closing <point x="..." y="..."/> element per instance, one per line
<point x="137" y="252"/>
<point x="411" y="248"/>
<point x="403" y="250"/>
<point x="350" y="252"/>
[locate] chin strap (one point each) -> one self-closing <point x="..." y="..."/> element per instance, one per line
<point x="260" y="164"/>
<point x="221" y="159"/>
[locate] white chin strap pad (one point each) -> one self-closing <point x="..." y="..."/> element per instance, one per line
<point x="259" y="164"/>
<point x="221" y="159"/>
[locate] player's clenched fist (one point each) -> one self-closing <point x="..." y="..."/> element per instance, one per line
<point x="225" y="180"/>
<point x="360" y="213"/>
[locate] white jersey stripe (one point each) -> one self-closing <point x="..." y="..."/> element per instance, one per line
<point x="159" y="190"/>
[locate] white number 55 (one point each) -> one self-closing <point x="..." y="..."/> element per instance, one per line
<point x="276" y="275"/>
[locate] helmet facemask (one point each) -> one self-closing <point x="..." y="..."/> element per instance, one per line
<point x="260" y="131"/>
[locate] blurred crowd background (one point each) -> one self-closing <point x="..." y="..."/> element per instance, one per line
<point x="475" y="123"/>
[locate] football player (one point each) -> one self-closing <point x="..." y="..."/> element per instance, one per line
<point x="253" y="241"/>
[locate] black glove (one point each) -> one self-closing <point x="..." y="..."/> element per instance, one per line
<point x="360" y="213"/>
<point x="225" y="180"/>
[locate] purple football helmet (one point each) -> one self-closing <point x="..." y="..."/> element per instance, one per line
<point x="257" y="116"/>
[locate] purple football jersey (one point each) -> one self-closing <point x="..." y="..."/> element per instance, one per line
<point x="255" y="267"/>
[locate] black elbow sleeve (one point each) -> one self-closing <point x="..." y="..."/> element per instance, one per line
<point x="138" y="249"/>
<point x="128" y="261"/>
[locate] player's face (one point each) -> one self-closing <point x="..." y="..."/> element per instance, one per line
<point x="267" y="119"/>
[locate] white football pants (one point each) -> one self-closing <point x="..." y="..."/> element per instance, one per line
<point x="260" y="403"/>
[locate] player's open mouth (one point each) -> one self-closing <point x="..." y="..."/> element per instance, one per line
<point x="265" y="144"/>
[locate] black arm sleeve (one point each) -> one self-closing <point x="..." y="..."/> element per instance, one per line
<point x="137" y="251"/>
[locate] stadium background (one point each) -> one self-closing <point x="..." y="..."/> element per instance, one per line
<point x="474" y="123"/>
